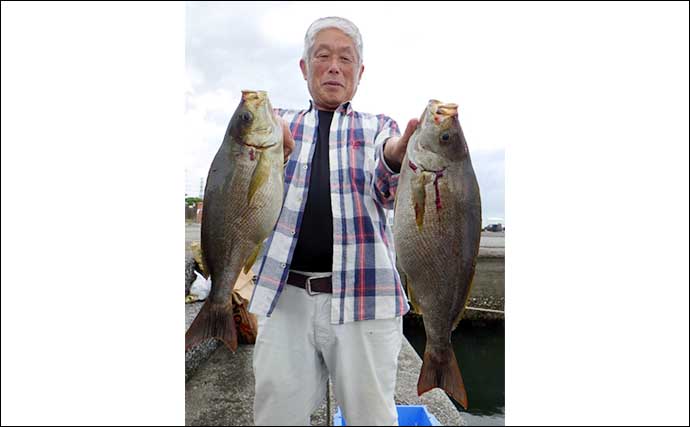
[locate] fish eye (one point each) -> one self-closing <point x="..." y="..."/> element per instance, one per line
<point x="445" y="137"/>
<point x="246" y="116"/>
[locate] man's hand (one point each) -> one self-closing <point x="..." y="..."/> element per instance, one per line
<point x="394" y="150"/>
<point x="288" y="141"/>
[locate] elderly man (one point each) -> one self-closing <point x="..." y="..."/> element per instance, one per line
<point x="328" y="298"/>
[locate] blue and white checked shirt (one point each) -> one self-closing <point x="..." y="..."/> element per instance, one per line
<point x="365" y="282"/>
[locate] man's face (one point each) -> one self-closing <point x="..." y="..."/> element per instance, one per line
<point x="332" y="73"/>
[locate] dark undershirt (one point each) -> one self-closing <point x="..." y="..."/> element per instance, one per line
<point x="314" y="249"/>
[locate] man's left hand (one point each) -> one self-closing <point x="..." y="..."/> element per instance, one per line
<point x="394" y="150"/>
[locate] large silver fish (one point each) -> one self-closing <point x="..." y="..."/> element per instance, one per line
<point x="437" y="229"/>
<point x="242" y="202"/>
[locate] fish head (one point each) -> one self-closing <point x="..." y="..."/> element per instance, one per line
<point x="438" y="138"/>
<point x="254" y="123"/>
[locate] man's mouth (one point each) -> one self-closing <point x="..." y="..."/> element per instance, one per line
<point x="333" y="83"/>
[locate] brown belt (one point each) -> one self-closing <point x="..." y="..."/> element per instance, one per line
<point x="311" y="285"/>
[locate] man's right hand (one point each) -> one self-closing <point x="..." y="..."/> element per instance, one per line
<point x="288" y="141"/>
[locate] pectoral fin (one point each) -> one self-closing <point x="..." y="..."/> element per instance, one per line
<point x="419" y="198"/>
<point x="413" y="300"/>
<point x="252" y="258"/>
<point x="260" y="175"/>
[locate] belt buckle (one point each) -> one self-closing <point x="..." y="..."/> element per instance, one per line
<point x="307" y="287"/>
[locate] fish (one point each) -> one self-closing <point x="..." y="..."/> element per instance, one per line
<point x="242" y="202"/>
<point x="436" y="230"/>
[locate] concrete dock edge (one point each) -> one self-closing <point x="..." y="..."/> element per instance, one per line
<point x="219" y="386"/>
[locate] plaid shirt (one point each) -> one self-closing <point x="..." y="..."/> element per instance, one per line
<point x="366" y="284"/>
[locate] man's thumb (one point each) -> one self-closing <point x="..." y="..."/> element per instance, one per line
<point x="409" y="130"/>
<point x="288" y="141"/>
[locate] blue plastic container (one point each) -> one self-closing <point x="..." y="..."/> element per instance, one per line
<point x="408" y="415"/>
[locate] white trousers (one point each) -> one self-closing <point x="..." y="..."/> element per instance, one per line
<point x="296" y="349"/>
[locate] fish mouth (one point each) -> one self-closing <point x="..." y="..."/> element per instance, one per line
<point x="447" y="110"/>
<point x="438" y="112"/>
<point x="254" y="95"/>
<point x="255" y="99"/>
<point x="441" y="112"/>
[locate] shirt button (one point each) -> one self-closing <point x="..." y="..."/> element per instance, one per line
<point x="282" y="265"/>
<point x="305" y="167"/>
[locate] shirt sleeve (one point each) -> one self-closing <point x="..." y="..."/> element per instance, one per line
<point x="385" y="181"/>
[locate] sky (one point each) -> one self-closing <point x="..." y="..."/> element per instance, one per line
<point x="450" y="56"/>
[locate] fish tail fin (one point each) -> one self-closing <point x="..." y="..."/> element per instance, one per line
<point x="442" y="370"/>
<point x="213" y="321"/>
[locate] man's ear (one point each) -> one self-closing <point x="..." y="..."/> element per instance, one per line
<point x="303" y="67"/>
<point x="361" y="71"/>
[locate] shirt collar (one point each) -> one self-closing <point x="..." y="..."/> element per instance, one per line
<point x="345" y="108"/>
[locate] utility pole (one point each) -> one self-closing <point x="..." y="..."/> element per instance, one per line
<point x="201" y="188"/>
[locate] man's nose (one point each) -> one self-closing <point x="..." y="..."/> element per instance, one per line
<point x="334" y="67"/>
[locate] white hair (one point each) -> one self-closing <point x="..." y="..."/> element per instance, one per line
<point x="342" y="24"/>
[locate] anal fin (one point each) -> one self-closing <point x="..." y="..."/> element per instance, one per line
<point x="252" y="258"/>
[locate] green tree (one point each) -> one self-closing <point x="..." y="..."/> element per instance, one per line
<point x="191" y="201"/>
